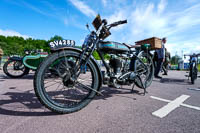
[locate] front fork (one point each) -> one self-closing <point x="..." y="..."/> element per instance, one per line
<point x="84" y="58"/>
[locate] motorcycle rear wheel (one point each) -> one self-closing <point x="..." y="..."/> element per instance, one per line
<point x="63" y="95"/>
<point x="146" y="77"/>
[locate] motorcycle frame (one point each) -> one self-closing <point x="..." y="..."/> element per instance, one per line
<point x="96" y="46"/>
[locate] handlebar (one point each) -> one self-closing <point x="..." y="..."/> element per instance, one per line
<point x="117" y="23"/>
<point x="123" y="22"/>
<point x="195" y="55"/>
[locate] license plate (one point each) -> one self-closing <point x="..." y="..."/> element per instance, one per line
<point x="59" y="44"/>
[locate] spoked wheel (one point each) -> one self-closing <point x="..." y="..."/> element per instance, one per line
<point x="145" y="76"/>
<point x="57" y="86"/>
<point x="194" y="72"/>
<point x="15" y="69"/>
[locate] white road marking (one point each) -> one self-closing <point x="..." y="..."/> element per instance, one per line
<point x="157" y="98"/>
<point x="164" y="111"/>
<point x="182" y="104"/>
<point x="190" y="106"/>
<point x="196" y="89"/>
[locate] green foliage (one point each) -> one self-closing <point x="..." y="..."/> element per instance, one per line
<point x="199" y="67"/>
<point x="175" y="59"/>
<point x="96" y="55"/>
<point x="56" y="37"/>
<point x="16" y="45"/>
<point x="107" y="57"/>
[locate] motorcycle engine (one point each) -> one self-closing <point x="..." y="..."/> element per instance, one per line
<point x="116" y="65"/>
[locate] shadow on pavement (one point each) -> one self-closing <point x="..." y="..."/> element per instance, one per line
<point x="22" y="104"/>
<point x="175" y="81"/>
<point x="30" y="76"/>
<point x="109" y="92"/>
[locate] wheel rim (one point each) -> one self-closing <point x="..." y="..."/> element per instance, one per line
<point x="145" y="75"/>
<point x="59" y="89"/>
<point x="15" y="68"/>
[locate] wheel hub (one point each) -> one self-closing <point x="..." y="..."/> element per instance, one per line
<point x="68" y="81"/>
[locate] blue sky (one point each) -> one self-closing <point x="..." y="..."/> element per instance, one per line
<point x="178" y="20"/>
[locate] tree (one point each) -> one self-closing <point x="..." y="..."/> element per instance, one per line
<point x="56" y="37"/>
<point x="175" y="59"/>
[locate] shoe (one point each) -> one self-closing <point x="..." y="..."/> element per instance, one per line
<point x="164" y="74"/>
<point x="158" y="77"/>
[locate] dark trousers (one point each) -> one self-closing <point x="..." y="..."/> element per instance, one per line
<point x="165" y="67"/>
<point x="159" y="63"/>
<point x="0" y="61"/>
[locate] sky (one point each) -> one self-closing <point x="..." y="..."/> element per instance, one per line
<point x="178" y="20"/>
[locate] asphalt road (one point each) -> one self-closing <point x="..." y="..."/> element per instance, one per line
<point x="117" y="111"/>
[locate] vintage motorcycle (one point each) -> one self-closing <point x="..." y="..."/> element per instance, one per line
<point x="17" y="66"/>
<point x="69" y="90"/>
<point x="193" y="70"/>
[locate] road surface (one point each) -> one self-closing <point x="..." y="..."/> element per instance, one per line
<point x="171" y="105"/>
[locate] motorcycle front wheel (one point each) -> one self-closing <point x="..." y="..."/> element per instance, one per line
<point x="15" y="69"/>
<point x="57" y="87"/>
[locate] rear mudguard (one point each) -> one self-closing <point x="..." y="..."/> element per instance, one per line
<point x="93" y="60"/>
<point x="16" y="58"/>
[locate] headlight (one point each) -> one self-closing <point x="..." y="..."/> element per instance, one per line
<point x="87" y="42"/>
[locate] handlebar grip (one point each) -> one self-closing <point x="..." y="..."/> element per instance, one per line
<point x="123" y="22"/>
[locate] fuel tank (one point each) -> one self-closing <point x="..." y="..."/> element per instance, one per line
<point x="113" y="47"/>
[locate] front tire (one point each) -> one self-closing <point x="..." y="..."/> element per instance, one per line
<point x="15" y="69"/>
<point x="193" y="74"/>
<point x="66" y="97"/>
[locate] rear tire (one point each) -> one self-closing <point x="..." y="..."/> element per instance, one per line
<point x="61" y="102"/>
<point x="149" y="74"/>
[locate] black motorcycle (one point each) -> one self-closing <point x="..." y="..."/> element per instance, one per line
<point x="70" y="89"/>
<point x="193" y="64"/>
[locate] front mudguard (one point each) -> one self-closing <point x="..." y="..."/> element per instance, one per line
<point x="93" y="61"/>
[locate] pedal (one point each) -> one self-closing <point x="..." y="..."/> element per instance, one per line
<point x="186" y="75"/>
<point x="198" y="76"/>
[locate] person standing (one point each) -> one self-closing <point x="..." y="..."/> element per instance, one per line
<point x="1" y="55"/>
<point x="165" y="65"/>
<point x="160" y="58"/>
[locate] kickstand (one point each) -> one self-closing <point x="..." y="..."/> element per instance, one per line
<point x="132" y="90"/>
<point x="143" y="87"/>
